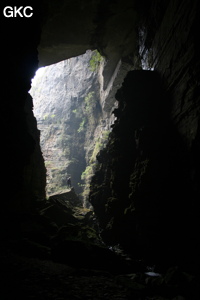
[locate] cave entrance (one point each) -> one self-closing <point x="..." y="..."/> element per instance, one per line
<point x="73" y="128"/>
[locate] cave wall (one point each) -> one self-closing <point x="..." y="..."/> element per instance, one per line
<point x="145" y="189"/>
<point x="162" y="148"/>
<point x="72" y="27"/>
<point x="20" y="149"/>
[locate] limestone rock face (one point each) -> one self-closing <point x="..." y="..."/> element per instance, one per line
<point x="74" y="116"/>
<point x="59" y="93"/>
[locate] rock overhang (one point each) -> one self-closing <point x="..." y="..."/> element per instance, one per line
<point x="73" y="27"/>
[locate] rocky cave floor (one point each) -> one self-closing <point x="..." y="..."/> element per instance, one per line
<point x="56" y="254"/>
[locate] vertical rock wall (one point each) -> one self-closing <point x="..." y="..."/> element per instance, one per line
<point x="145" y="188"/>
<point x="20" y="153"/>
<point x="60" y="92"/>
<point x="74" y="116"/>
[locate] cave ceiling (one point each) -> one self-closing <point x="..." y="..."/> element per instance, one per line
<point x="72" y="27"/>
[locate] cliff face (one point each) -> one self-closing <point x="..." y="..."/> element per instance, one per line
<point x="59" y="94"/>
<point x="74" y="116"/>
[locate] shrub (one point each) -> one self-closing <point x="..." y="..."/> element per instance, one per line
<point x="90" y="103"/>
<point x="87" y="173"/>
<point x="95" y="61"/>
<point x="82" y="126"/>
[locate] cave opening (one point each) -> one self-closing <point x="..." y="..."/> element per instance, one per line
<point x="146" y="191"/>
<point x="68" y="105"/>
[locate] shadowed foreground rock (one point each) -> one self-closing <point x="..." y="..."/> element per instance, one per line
<point x="59" y="255"/>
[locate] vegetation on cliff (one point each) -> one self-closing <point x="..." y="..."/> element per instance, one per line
<point x="95" y="61"/>
<point x="69" y="114"/>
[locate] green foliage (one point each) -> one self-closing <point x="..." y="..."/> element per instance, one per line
<point x="87" y="173"/>
<point x="78" y="112"/>
<point x="95" y="61"/>
<point x="49" y="119"/>
<point x="90" y="169"/>
<point x="86" y="176"/>
<point x="89" y="106"/>
<point x="45" y="117"/>
<point x="105" y="135"/>
<point x="82" y="126"/>
<point x="96" y="150"/>
<point x="48" y="163"/>
<point x="99" y="144"/>
<point x="90" y="103"/>
<point x="86" y="191"/>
